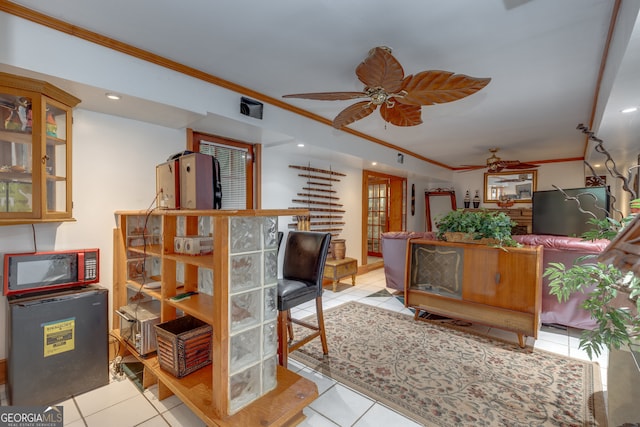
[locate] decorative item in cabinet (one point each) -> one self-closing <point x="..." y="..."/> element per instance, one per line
<point x="35" y="151"/>
<point x="320" y="197"/>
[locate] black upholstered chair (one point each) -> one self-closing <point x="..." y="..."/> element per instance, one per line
<point x="305" y="253"/>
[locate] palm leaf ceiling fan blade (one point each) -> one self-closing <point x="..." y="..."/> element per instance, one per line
<point x="328" y="96"/>
<point x="381" y="70"/>
<point x="400" y="97"/>
<point x="354" y="112"/>
<point x="402" y="114"/>
<point x="438" y="87"/>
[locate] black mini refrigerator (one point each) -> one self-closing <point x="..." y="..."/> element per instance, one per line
<point x="57" y="343"/>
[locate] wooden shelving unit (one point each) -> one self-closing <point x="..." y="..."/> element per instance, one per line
<point x="269" y="394"/>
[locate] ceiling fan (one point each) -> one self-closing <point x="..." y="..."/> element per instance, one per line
<point x="400" y="98"/>
<point x="496" y="164"/>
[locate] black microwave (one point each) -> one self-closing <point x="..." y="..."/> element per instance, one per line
<point x="39" y="271"/>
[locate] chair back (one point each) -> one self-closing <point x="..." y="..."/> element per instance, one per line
<point x="304" y="256"/>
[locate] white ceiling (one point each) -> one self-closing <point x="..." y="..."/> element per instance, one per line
<point x="543" y="57"/>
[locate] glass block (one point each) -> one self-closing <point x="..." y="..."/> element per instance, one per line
<point x="245" y="234"/>
<point x="270" y="267"/>
<point x="180" y="272"/>
<point x="270" y="303"/>
<point x="245" y="310"/>
<point x="205" y="226"/>
<point x="181" y="226"/>
<point x="270" y="337"/>
<point x="205" y="281"/>
<point x="143" y="230"/>
<point x="245" y="272"/>
<point x="244" y="351"/>
<point x="269" y="376"/>
<point x="244" y="388"/>
<point x="270" y="227"/>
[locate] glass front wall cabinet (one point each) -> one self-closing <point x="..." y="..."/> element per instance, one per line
<point x="35" y="151"/>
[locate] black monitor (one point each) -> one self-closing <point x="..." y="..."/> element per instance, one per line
<point x="553" y="214"/>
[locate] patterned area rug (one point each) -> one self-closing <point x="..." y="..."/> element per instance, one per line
<point x="440" y="375"/>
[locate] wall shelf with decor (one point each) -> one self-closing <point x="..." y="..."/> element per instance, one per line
<point x="35" y="151"/>
<point x="232" y="275"/>
<point x="320" y="197"/>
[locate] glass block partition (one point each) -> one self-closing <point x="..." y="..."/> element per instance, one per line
<point x="253" y="268"/>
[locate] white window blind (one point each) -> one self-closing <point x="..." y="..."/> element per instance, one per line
<point x="232" y="173"/>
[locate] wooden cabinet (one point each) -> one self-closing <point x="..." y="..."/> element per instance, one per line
<point x="233" y="270"/>
<point x="499" y="287"/>
<point x="35" y="151"/>
<point x="523" y="217"/>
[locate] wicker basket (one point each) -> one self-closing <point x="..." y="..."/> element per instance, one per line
<point x="456" y="236"/>
<point x="184" y="345"/>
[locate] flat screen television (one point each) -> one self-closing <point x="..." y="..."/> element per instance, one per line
<point x="552" y="214"/>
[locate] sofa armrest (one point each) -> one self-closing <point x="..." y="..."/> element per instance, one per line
<point x="563" y="243"/>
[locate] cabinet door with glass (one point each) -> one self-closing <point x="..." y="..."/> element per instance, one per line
<point x="35" y="151"/>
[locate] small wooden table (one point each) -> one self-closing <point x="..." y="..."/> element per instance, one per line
<point x="336" y="269"/>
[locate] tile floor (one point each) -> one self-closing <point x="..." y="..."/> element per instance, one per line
<point x="121" y="404"/>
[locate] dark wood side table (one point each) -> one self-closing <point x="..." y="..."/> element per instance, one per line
<point x="336" y="269"/>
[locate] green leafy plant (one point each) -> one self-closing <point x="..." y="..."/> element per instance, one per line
<point x="615" y="326"/>
<point x="479" y="224"/>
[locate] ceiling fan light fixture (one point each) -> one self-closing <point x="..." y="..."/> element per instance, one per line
<point x="400" y="98"/>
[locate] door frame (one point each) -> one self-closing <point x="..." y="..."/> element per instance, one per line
<point x="399" y="203"/>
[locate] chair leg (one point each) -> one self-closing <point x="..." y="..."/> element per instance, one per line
<point x="323" y="336"/>
<point x="289" y="326"/>
<point x="283" y="344"/>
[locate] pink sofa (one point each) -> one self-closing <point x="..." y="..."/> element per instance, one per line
<point x="563" y="250"/>
<point x="394" y="251"/>
<point x="555" y="249"/>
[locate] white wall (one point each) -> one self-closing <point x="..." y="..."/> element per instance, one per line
<point x="280" y="184"/>
<point x="113" y="169"/>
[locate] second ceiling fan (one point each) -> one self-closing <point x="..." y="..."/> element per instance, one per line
<point x="400" y="98"/>
<point x="496" y="164"/>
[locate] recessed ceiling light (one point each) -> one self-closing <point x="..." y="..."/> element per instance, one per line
<point x="374" y="163"/>
<point x="301" y="145"/>
<point x="113" y="96"/>
<point x="629" y="110"/>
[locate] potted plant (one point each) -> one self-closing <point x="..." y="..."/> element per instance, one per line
<point x="476" y="227"/>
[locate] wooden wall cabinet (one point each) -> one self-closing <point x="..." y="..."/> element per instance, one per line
<point x="499" y="287"/>
<point x="236" y="287"/>
<point x="35" y="151"/>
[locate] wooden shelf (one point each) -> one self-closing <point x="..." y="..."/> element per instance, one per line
<point x="200" y="306"/>
<point x="152" y="250"/>
<point x="204" y="261"/>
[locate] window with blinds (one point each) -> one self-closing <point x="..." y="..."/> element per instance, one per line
<point x="233" y="174"/>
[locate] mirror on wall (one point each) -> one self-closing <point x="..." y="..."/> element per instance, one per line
<point x="517" y="186"/>
<point x="438" y="203"/>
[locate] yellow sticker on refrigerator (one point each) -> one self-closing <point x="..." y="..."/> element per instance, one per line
<point x="59" y="336"/>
